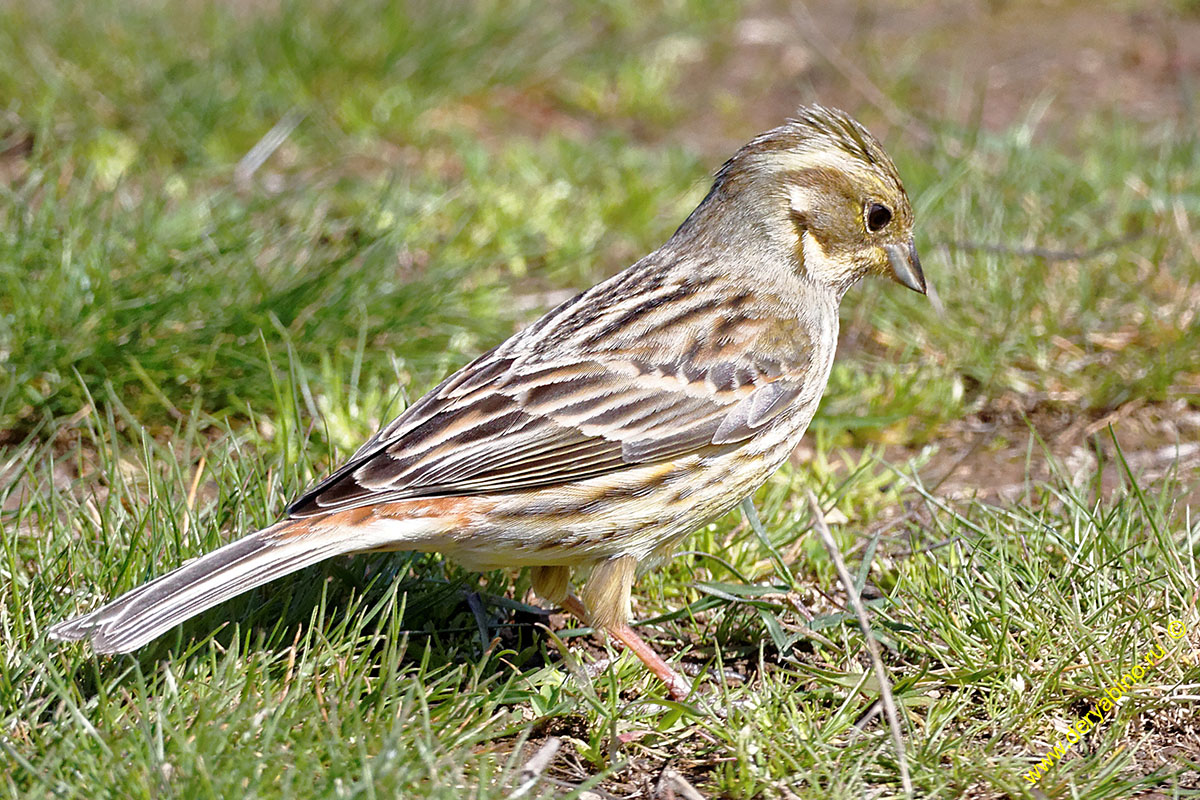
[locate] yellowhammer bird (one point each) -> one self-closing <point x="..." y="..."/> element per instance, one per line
<point x="602" y="434"/>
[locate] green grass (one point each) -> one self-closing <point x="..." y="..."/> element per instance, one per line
<point x="182" y="352"/>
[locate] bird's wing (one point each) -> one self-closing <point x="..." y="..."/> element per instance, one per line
<point x="503" y="424"/>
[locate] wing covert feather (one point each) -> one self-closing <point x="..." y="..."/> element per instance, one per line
<point x="630" y="372"/>
<point x="493" y="428"/>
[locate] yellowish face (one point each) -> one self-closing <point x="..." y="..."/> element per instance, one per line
<point x="852" y="220"/>
<point x="841" y="196"/>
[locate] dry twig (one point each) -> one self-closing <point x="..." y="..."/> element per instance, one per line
<point x="885" y="685"/>
<point x="257" y="156"/>
<point x="531" y="773"/>
<point x="673" y="786"/>
<point x="1044" y="253"/>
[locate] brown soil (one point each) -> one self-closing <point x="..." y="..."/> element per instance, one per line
<point x="991" y="63"/>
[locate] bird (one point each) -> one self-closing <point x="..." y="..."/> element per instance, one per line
<point x="590" y="443"/>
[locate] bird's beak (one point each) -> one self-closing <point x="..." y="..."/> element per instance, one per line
<point x="906" y="267"/>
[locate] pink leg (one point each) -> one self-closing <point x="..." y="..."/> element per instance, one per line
<point x="678" y="687"/>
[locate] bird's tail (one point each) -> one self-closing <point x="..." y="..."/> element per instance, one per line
<point x="139" y="616"/>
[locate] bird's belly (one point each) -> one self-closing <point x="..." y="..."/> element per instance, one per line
<point x="641" y="511"/>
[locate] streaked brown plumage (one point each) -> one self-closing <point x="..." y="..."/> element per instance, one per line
<point x="616" y="424"/>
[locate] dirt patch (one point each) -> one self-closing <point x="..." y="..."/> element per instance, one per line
<point x="974" y="63"/>
<point x="999" y="454"/>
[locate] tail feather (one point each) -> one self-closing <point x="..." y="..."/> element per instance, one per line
<point x="139" y="616"/>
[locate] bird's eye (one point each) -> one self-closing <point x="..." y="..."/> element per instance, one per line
<point x="878" y="216"/>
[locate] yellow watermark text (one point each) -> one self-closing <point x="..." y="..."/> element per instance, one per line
<point x="1098" y="715"/>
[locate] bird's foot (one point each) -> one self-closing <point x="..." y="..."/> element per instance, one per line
<point x="678" y="687"/>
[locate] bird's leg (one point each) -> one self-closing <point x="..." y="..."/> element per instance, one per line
<point x="678" y="687"/>
<point x="551" y="583"/>
<point x="607" y="608"/>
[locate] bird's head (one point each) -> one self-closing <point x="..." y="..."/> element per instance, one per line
<point x="821" y="186"/>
